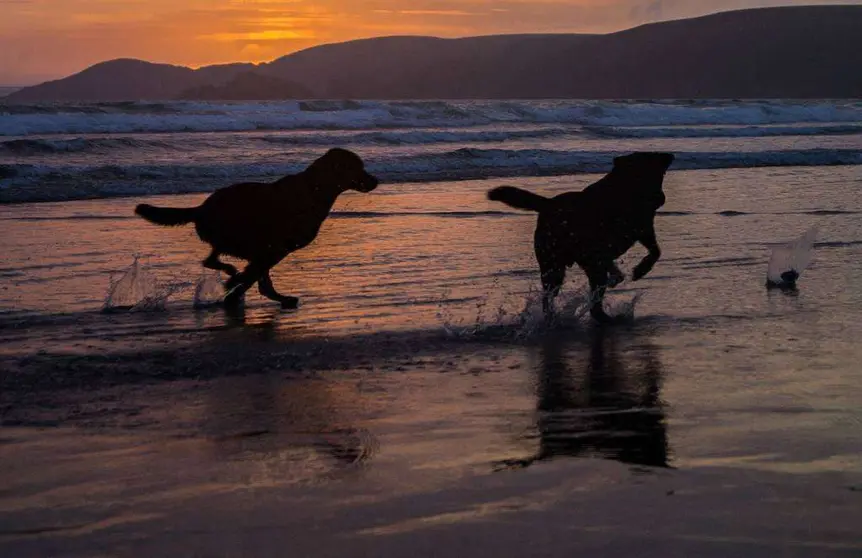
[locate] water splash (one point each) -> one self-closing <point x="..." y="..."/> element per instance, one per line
<point x="789" y="260"/>
<point x="623" y="308"/>
<point x="497" y="316"/>
<point x="483" y="321"/>
<point x="209" y="290"/>
<point x="506" y="322"/>
<point x="138" y="290"/>
<point x="135" y="287"/>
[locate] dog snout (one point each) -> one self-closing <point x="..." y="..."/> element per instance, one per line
<point x="368" y="183"/>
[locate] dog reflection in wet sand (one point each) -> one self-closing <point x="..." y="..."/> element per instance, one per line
<point x="264" y="222"/>
<point x="281" y="430"/>
<point x="610" y="410"/>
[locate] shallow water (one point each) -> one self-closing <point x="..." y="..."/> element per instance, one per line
<point x="417" y="358"/>
<point x="439" y="263"/>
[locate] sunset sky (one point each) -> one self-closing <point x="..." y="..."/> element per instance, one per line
<point x="43" y="39"/>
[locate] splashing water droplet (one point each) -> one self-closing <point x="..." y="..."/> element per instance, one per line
<point x="572" y="311"/>
<point x="135" y="287"/>
<point x="138" y="290"/>
<point x="209" y="290"/>
<point x="624" y="308"/>
<point x="790" y="259"/>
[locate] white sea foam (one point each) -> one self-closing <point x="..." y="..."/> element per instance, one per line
<point x="354" y="115"/>
<point x="707" y="131"/>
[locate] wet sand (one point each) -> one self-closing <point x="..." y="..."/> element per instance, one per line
<point x="465" y="448"/>
<point x="559" y="509"/>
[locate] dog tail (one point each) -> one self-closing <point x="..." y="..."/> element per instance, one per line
<point x="168" y="216"/>
<point x="518" y="198"/>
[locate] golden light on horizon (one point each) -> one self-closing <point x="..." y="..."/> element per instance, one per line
<point x="42" y="39"/>
<point x="268" y="35"/>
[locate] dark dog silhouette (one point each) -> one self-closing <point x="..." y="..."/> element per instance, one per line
<point x="594" y="227"/>
<point x="264" y="222"/>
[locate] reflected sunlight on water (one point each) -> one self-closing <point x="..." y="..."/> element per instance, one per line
<point x="419" y="356"/>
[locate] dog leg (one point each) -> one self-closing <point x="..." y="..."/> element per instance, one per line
<point x="264" y="285"/>
<point x="237" y="285"/>
<point x="615" y="275"/>
<point x="598" y="285"/>
<point x="552" y="281"/>
<point x="649" y="242"/>
<point x="236" y="288"/>
<point x="212" y="262"/>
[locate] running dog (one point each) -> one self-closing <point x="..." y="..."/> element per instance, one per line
<point x="264" y="222"/>
<point x="595" y="226"/>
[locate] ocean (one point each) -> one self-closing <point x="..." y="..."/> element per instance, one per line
<point x="63" y="152"/>
<point x="417" y="397"/>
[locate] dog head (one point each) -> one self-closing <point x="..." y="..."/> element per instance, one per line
<point x="344" y="169"/>
<point x="645" y="172"/>
<point x="644" y="162"/>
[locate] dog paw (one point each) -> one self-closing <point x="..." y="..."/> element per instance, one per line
<point x="232" y="302"/>
<point x="290" y="303"/>
<point x="639" y="273"/>
<point x="615" y="279"/>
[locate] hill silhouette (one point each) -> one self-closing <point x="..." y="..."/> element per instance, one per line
<point x="248" y="86"/>
<point x="790" y="52"/>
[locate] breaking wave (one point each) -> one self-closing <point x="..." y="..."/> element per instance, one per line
<point x="723" y="131"/>
<point x="119" y="118"/>
<point x="419" y="137"/>
<point x="54" y="152"/>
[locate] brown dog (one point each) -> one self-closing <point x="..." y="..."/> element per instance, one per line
<point x="594" y="227"/>
<point x="264" y="222"/>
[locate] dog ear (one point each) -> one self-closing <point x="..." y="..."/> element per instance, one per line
<point x="339" y="159"/>
<point x="641" y="160"/>
<point x="329" y="162"/>
<point x="623" y="161"/>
